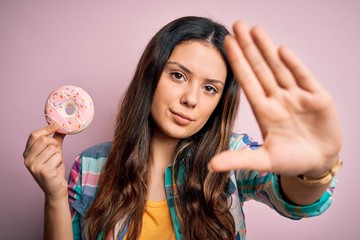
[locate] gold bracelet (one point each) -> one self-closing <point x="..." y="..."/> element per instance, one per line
<point x="326" y="178"/>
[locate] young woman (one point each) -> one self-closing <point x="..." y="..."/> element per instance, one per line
<point x="169" y="171"/>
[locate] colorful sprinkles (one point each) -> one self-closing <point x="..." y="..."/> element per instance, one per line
<point x="60" y="100"/>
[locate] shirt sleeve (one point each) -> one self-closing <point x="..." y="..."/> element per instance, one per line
<point x="82" y="185"/>
<point x="75" y="192"/>
<point x="265" y="188"/>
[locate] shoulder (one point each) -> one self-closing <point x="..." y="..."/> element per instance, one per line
<point x="94" y="157"/>
<point x="242" y="141"/>
<point x="97" y="151"/>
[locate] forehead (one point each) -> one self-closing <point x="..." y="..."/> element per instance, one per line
<point x="201" y="58"/>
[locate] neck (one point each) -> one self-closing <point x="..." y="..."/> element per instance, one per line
<point x="162" y="149"/>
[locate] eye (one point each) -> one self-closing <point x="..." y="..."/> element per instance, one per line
<point x="210" y="89"/>
<point x="178" y="76"/>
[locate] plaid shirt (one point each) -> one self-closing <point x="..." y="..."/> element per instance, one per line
<point x="244" y="186"/>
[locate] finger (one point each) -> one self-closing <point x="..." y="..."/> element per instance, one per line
<point x="302" y="75"/>
<point x="35" y="135"/>
<point x="60" y="138"/>
<point x="258" y="65"/>
<point x="54" y="162"/>
<point x="257" y="160"/>
<point x="40" y="145"/>
<point x="41" y="159"/>
<point x="270" y="53"/>
<point x="242" y="70"/>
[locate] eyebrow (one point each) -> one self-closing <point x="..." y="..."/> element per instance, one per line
<point x="185" y="69"/>
<point x="181" y="66"/>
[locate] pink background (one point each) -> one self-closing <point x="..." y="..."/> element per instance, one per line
<point x="96" y="45"/>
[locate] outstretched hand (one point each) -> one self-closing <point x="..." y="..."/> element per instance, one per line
<point x="296" y="115"/>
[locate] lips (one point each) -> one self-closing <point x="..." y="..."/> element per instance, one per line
<point x="181" y="119"/>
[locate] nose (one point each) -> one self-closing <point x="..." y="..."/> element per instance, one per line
<point x="190" y="97"/>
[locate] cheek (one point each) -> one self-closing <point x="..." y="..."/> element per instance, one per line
<point x="165" y="92"/>
<point x="162" y="99"/>
<point x="207" y="109"/>
<point x="159" y="100"/>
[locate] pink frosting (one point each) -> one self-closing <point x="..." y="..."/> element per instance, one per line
<point x="71" y="107"/>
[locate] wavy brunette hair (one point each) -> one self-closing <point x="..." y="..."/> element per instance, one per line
<point x="202" y="202"/>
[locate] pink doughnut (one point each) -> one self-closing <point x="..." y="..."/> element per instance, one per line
<point x="70" y="107"/>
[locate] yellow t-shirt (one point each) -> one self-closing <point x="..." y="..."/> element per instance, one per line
<point x="157" y="222"/>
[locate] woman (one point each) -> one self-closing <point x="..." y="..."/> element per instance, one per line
<point x="166" y="173"/>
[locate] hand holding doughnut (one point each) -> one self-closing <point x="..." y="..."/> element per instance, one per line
<point x="71" y="108"/>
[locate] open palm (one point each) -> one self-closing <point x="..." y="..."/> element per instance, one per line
<point x="296" y="115"/>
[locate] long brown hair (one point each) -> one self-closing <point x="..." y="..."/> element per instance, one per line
<point x="202" y="203"/>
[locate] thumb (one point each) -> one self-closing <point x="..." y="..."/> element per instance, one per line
<point x="59" y="137"/>
<point x="257" y="160"/>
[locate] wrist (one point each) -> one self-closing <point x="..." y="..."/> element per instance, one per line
<point x="55" y="200"/>
<point x="321" y="179"/>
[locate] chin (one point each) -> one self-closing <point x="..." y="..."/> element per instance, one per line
<point x="178" y="136"/>
<point x="178" y="133"/>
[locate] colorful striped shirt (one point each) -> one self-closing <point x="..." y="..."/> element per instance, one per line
<point x="244" y="186"/>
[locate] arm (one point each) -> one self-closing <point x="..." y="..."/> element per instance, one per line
<point x="296" y="115"/>
<point x="57" y="219"/>
<point x="303" y="190"/>
<point x="299" y="193"/>
<point x="43" y="158"/>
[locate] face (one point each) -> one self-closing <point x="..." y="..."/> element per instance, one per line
<point x="189" y="89"/>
